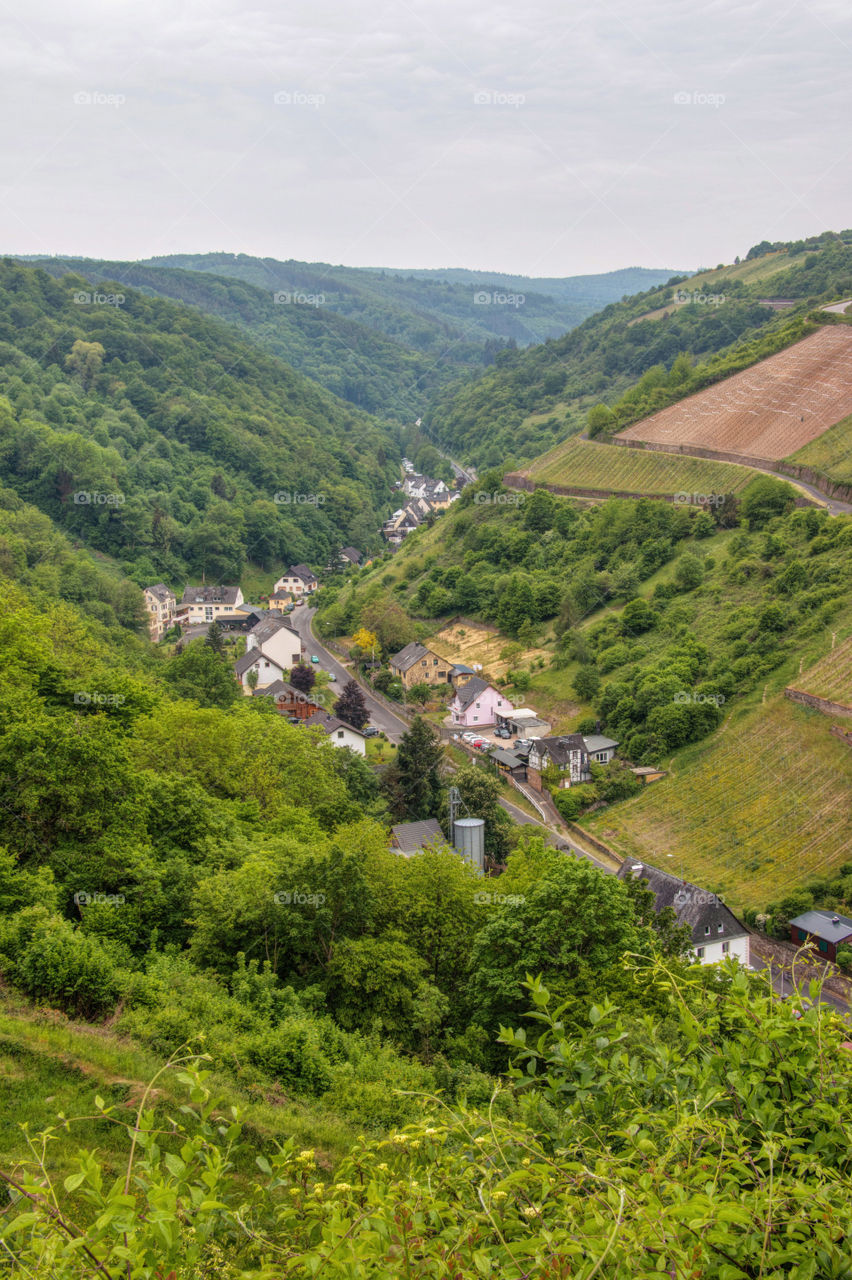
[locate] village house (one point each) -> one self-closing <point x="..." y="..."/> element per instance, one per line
<point x="415" y="664"/>
<point x="522" y="722"/>
<point x="825" y="930"/>
<point x="263" y="664"/>
<point x="276" y="639"/>
<point x="160" y="605"/>
<point x="572" y="754"/>
<point x="289" y="701"/>
<point x="476" y="704"/>
<point x="715" y="931"/>
<point x="339" y="733"/>
<point x="460" y="674"/>
<point x="350" y="556"/>
<point x="408" y="838"/>
<point x="208" y="604"/>
<point x="299" y="580"/>
<point x="281" y="601"/>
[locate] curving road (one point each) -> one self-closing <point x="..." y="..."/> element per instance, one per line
<point x="380" y="716"/>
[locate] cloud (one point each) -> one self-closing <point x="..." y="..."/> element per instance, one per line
<point x="553" y="139"/>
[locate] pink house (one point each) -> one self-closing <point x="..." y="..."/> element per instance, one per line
<point x="476" y="704"/>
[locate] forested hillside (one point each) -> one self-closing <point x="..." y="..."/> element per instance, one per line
<point x="651" y="346"/>
<point x="383" y="340"/>
<point x="158" y="436"/>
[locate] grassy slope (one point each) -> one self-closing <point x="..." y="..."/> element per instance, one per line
<point x="51" y="1064"/>
<point x="587" y="465"/>
<point x="751" y="812"/>
<point x="831" y="677"/>
<point x="830" y="453"/>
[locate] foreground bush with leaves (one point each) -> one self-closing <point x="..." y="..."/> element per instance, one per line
<point x="713" y="1145"/>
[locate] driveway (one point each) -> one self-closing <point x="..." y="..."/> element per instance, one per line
<point x="380" y="716"/>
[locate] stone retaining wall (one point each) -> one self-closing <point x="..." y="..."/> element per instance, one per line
<point x="819" y="704"/>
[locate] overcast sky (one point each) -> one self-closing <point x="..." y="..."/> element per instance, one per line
<point x="548" y="138"/>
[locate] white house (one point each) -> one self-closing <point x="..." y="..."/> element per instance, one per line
<point x="299" y="580"/>
<point x="716" y="933"/>
<point x="338" y="732"/>
<point x="160" y="605"/>
<point x="257" y="659"/>
<point x="276" y="639"/>
<point x="208" y="604"/>
<point x="572" y="754"/>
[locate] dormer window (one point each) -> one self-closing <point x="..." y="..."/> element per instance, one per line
<point x="720" y="928"/>
<point x="707" y="931"/>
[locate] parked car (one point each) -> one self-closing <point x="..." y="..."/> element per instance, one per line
<point x="479" y="743"/>
<point x="370" y="732"/>
<point x="502" y="733"/>
<point x="314" y="658"/>
<point x="332" y="677"/>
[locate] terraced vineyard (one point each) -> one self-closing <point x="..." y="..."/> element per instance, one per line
<point x="583" y="464"/>
<point x="830" y="453"/>
<point x="767" y="411"/>
<point x="831" y="678"/>
<point x="753" y="812"/>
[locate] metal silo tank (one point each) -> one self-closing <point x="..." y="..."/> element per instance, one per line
<point x="469" y="840"/>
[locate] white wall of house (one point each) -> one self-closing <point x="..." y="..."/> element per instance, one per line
<point x="268" y="671"/>
<point x="296" y="585"/>
<point x="284" y="647"/>
<point x="716" y="949"/>
<point x="210" y="611"/>
<point x="344" y="737"/>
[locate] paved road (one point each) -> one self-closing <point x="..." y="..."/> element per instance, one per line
<point x="380" y="717"/>
<point x="783" y="985"/>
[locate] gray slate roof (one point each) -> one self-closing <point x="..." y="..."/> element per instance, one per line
<point x="821" y="925"/>
<point x="161" y="592"/>
<point x="597" y="742"/>
<point x="210" y="595"/>
<point x="250" y="657"/>
<point x="329" y="723"/>
<point x="694" y="907"/>
<point x="352" y="553"/>
<point x="407" y="657"/>
<point x="508" y="758"/>
<point x="270" y="625"/>
<point x="469" y="692"/>
<point x="560" y="749"/>
<point x="301" y="571"/>
<point x="410" y="837"/>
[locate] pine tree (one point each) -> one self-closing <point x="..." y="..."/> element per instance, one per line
<point x="350" y="705"/>
<point x="417" y="771"/>
<point x="215" y="638"/>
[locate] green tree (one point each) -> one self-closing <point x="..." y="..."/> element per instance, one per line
<point x="350" y="706"/>
<point x="418" y="759"/>
<point x="201" y="674"/>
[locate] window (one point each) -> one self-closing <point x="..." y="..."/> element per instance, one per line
<point x="720" y="928"/>
<point x="699" y="951"/>
<point x="802" y="935"/>
<point x="340" y="733"/>
<point x="423" y="662"/>
<point x="823" y="945"/>
<point x="434" y="662"/>
<point x="726" y="946"/>
<point x="706" y="931"/>
<point x="475" y="718"/>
